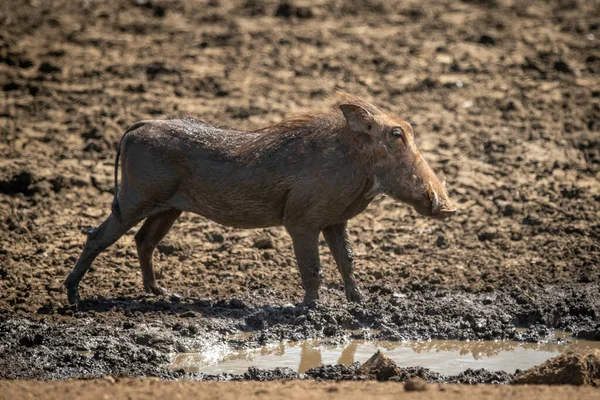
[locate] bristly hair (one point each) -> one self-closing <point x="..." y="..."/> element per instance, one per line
<point x="319" y="118"/>
<point x="296" y="122"/>
<point x="307" y="126"/>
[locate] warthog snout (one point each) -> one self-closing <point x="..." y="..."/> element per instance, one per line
<point x="439" y="209"/>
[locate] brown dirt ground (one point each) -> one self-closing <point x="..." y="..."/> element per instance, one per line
<point x="519" y="142"/>
<point x="129" y="388"/>
<point x="505" y="96"/>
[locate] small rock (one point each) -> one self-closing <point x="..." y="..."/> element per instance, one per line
<point x="377" y="274"/>
<point x="289" y="10"/>
<point x="510" y="209"/>
<point x="536" y="333"/>
<point x="284" y="10"/>
<point x="34" y="90"/>
<point x="159" y="11"/>
<point x="167" y="248"/>
<point x="487" y="39"/>
<point x="59" y="183"/>
<point x="482" y="376"/>
<point x="92" y="132"/>
<point x="280" y="373"/>
<point x="128" y="325"/>
<point x="20" y="183"/>
<point x="415" y="385"/>
<point x="45" y="309"/>
<point x="380" y="366"/>
<point x="48" y="68"/>
<point x="93" y="146"/>
<point x="139" y="88"/>
<point x="159" y="68"/>
<point x="10" y="86"/>
<point x="216" y="238"/>
<point x="189" y="314"/>
<point x="330" y="330"/>
<point x="254" y="7"/>
<point x="488" y="234"/>
<point x="30" y="341"/>
<point x="441" y="241"/>
<point x="511" y="105"/>
<point x="237" y="304"/>
<point x="533" y="220"/>
<point x="304" y="12"/>
<point x="14" y="59"/>
<point x="332" y="372"/>
<point x="562" y="66"/>
<point x="263" y="242"/>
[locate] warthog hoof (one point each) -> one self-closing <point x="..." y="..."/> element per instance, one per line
<point x="72" y="293"/>
<point x="156" y="290"/>
<point x="310" y="298"/>
<point x="354" y="295"/>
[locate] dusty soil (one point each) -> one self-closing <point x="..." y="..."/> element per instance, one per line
<point x="128" y="388"/>
<point x="569" y="368"/>
<point x="505" y="97"/>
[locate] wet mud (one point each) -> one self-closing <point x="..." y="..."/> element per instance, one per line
<point x="152" y="332"/>
<point x="505" y="100"/>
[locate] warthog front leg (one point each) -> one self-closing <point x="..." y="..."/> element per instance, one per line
<point x="147" y="238"/>
<point x="336" y="237"/>
<point x="306" y="248"/>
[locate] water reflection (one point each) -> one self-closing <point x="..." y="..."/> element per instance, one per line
<point x="347" y="356"/>
<point x="310" y="356"/>
<point x="444" y="356"/>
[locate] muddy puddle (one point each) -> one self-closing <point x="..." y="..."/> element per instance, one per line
<point x="447" y="357"/>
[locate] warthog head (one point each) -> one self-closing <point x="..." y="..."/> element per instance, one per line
<point x="399" y="168"/>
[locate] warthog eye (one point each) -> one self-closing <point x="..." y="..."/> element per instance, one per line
<point x="397" y="132"/>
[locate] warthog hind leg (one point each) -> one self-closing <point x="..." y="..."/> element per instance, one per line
<point x="98" y="240"/>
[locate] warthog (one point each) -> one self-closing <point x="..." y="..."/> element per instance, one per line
<point x="309" y="173"/>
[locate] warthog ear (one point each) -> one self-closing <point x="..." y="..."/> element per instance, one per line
<point x="359" y="119"/>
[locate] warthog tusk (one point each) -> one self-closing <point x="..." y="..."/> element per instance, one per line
<point x="433" y="196"/>
<point x="374" y="190"/>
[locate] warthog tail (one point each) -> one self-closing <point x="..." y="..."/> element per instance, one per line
<point x="115" y="205"/>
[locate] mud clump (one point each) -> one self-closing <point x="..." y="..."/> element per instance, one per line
<point x="256" y="374"/>
<point x="566" y="369"/>
<point x="415" y="385"/>
<point x="337" y="372"/>
<point x="263" y="242"/>
<point x="380" y="366"/>
<point x="288" y="10"/>
<point x="20" y="183"/>
<point x="31" y="340"/>
<point x="48" y="68"/>
<point x="479" y="376"/>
